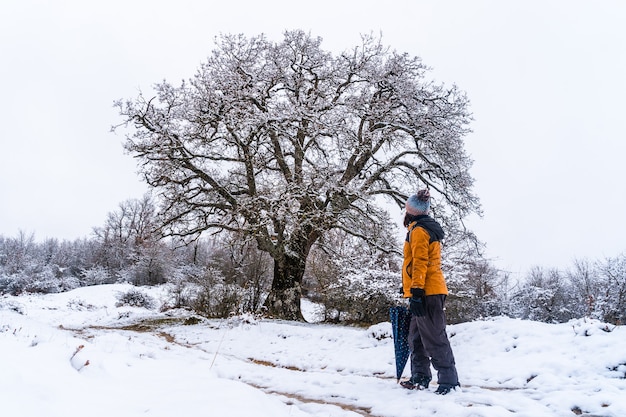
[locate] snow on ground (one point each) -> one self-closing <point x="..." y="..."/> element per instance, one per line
<point x="77" y="353"/>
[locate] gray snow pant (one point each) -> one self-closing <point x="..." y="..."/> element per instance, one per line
<point x="429" y="343"/>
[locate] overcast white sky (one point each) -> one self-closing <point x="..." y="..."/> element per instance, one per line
<point x="545" y="78"/>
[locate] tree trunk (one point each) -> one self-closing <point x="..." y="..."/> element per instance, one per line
<point x="283" y="300"/>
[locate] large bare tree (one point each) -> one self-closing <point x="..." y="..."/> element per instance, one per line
<point x="284" y="141"/>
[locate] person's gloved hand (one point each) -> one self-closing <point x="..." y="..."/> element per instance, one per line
<point x="416" y="302"/>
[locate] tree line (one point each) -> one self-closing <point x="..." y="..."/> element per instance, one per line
<point x="351" y="282"/>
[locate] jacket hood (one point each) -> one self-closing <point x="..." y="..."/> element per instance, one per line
<point x="429" y="224"/>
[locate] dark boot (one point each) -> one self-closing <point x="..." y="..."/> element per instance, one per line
<point x="416" y="382"/>
<point x="444" y="389"/>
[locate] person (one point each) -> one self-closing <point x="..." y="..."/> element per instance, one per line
<point x="423" y="283"/>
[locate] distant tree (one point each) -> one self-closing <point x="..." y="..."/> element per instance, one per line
<point x="125" y="231"/>
<point x="16" y="254"/>
<point x="283" y="142"/>
<point x="612" y="301"/>
<point x="546" y="296"/>
<point x="587" y="288"/>
<point x="478" y="290"/>
<point x="130" y="245"/>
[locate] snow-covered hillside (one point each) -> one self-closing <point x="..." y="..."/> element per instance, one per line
<point x="78" y="354"/>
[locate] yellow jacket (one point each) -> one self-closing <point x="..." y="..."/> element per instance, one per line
<point x="422" y="261"/>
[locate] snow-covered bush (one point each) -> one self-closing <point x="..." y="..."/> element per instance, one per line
<point x="351" y="281"/>
<point x="206" y="291"/>
<point x="216" y="298"/>
<point x="97" y="275"/>
<point x="11" y="283"/>
<point x="135" y="298"/>
<point x="353" y="292"/>
<point x="44" y="279"/>
<point x="182" y="286"/>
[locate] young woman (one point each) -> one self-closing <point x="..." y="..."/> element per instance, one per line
<point x="424" y="285"/>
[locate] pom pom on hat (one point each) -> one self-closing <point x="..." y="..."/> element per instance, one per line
<point x="418" y="203"/>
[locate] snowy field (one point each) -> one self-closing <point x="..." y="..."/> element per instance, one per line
<point x="78" y="354"/>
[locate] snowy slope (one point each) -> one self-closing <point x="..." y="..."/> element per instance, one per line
<point x="76" y="354"/>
